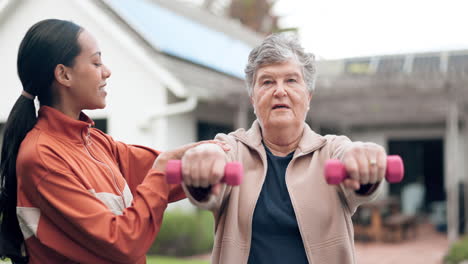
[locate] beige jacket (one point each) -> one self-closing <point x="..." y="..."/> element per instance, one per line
<point x="323" y="212"/>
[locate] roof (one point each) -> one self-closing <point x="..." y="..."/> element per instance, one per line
<point x="400" y="89"/>
<point x="169" y="28"/>
<point x="427" y="63"/>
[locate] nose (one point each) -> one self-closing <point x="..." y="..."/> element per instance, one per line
<point x="280" y="91"/>
<point x="106" y="73"/>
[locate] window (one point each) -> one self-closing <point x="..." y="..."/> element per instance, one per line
<point x="101" y="124"/>
<point x="458" y="64"/>
<point x="390" y="65"/>
<point x="426" y="64"/>
<point x="358" y="67"/>
<point x="207" y="130"/>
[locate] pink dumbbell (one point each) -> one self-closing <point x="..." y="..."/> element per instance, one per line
<point x="233" y="173"/>
<point x="335" y="171"/>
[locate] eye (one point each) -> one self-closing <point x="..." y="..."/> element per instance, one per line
<point x="97" y="64"/>
<point x="267" y="82"/>
<point x="291" y="80"/>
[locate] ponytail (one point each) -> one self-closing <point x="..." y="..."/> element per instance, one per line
<point x="21" y="120"/>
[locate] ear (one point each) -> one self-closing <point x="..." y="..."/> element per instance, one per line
<point x="310" y="98"/>
<point x="62" y="75"/>
<point x="252" y="103"/>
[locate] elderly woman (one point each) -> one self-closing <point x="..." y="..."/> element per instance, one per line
<point x="284" y="211"/>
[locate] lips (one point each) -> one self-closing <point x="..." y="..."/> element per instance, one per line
<point x="280" y="106"/>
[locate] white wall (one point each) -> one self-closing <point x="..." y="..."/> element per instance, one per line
<point x="133" y="90"/>
<point x="182" y="130"/>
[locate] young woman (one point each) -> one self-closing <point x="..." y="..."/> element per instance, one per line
<point x="69" y="192"/>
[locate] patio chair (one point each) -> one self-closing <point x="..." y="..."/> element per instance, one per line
<point x="401" y="224"/>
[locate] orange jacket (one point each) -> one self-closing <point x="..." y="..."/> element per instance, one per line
<point x="85" y="198"/>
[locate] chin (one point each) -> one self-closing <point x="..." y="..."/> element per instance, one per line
<point x="100" y="105"/>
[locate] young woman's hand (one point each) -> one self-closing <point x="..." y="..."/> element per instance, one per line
<point x="177" y="154"/>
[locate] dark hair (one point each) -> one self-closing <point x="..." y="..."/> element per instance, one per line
<point x="46" y="44"/>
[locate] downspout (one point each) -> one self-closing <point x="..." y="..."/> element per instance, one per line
<point x="172" y="109"/>
<point x="5" y="5"/>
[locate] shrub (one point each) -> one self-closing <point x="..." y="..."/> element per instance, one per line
<point x="458" y="252"/>
<point x="184" y="233"/>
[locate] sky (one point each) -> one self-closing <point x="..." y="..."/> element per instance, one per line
<point x="333" y="29"/>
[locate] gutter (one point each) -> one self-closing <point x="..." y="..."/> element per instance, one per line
<point x="171" y="109"/>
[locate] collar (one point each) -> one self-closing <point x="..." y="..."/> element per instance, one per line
<point x="62" y="126"/>
<point x="309" y="142"/>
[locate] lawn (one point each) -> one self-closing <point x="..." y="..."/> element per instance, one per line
<point x="170" y="260"/>
<point x="159" y="260"/>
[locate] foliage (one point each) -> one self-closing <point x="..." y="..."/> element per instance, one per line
<point x="169" y="260"/>
<point x="184" y="234"/>
<point x="458" y="252"/>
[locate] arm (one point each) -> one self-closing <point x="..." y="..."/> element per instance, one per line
<point x="202" y="169"/>
<point x="64" y="200"/>
<point x="134" y="163"/>
<point x="365" y="163"/>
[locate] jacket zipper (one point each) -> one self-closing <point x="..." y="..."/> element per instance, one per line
<point x="251" y="213"/>
<point x="86" y="143"/>
<point x="299" y="225"/>
<point x="264" y="175"/>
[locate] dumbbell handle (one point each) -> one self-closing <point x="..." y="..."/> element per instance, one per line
<point x="335" y="171"/>
<point x="233" y="173"/>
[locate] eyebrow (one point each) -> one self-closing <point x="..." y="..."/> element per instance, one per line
<point x="96" y="53"/>
<point x="293" y="74"/>
<point x="267" y="75"/>
<point x="264" y="75"/>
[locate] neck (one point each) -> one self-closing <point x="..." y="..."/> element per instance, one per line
<point x="67" y="110"/>
<point x="63" y="102"/>
<point x="281" y="142"/>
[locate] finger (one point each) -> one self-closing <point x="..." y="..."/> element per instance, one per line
<point x="352" y="168"/>
<point x="204" y="175"/>
<point x="199" y="170"/>
<point x="372" y="166"/>
<point x="206" y="172"/>
<point x="363" y="165"/>
<point x="381" y="165"/>
<point x="225" y="146"/>
<point x="216" y="189"/>
<point x="218" y="171"/>
<point x="352" y="184"/>
<point x="186" y="171"/>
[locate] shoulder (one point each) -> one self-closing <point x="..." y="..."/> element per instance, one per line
<point x="337" y="139"/>
<point x="39" y="154"/>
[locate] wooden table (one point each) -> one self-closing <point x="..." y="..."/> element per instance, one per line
<point x="375" y="229"/>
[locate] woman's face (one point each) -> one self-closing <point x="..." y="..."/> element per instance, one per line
<point x="88" y="75"/>
<point x="280" y="96"/>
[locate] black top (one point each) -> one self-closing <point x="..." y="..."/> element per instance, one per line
<point x="275" y="233"/>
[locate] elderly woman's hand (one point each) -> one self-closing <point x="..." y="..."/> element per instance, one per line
<point x="203" y="166"/>
<point x="365" y="163"/>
